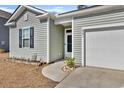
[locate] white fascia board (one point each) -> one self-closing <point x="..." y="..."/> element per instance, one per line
<point x="46" y="15"/>
<point x="10" y="24"/>
<point x="63" y="22"/>
<point x="33" y="9"/>
<point x="43" y="16"/>
<point x="90" y="11"/>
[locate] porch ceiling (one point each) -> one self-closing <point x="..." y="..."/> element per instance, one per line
<point x="67" y="24"/>
<point x="64" y="21"/>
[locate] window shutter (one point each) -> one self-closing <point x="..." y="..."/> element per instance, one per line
<point x="32" y="37"/>
<point x="20" y="38"/>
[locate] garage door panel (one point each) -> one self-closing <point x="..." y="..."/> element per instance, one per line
<point x="105" y="49"/>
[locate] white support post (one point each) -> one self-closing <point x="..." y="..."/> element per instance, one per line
<point x="72" y="37"/>
<point x="48" y="35"/>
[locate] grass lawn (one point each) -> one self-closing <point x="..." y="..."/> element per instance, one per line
<point x="22" y="75"/>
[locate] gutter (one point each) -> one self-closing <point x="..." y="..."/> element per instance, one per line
<point x="45" y="16"/>
<point x="89" y="11"/>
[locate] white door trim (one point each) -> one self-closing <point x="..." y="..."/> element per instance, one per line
<point x="65" y="42"/>
<point x="72" y="37"/>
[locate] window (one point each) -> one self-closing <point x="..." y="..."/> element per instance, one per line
<point x="26" y="37"/>
<point x="69" y="43"/>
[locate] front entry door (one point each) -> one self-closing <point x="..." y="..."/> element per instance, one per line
<point x="68" y="43"/>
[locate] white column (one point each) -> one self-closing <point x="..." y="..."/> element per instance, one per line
<point x="72" y="37"/>
<point x="48" y="42"/>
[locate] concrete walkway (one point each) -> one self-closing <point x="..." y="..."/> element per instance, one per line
<point x="90" y="77"/>
<point x="54" y="71"/>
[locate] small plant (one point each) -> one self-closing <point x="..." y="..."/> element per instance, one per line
<point x="2" y="50"/>
<point x="70" y="62"/>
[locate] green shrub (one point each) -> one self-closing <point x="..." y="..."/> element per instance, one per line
<point x="2" y="50"/>
<point x="70" y="62"/>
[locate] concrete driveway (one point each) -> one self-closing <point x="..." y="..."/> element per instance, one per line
<point x="90" y="77"/>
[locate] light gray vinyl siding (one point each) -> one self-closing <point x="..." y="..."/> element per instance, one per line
<point x="56" y="41"/>
<point x="91" y="21"/>
<point x="40" y="38"/>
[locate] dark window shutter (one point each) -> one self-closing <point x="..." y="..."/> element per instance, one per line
<point x="20" y="38"/>
<point x="32" y="37"/>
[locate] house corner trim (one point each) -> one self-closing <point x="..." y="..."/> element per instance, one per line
<point x="48" y="41"/>
<point x="72" y="37"/>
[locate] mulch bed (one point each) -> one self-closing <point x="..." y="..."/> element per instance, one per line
<point x="20" y="75"/>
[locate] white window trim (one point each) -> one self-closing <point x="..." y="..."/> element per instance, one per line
<point x="23" y="38"/>
<point x="65" y="49"/>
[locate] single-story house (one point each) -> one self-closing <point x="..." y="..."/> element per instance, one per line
<point x="94" y="36"/>
<point x="4" y="31"/>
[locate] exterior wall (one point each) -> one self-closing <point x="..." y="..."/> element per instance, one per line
<point x="91" y="21"/>
<point x="40" y="38"/>
<point x="4" y="34"/>
<point x="56" y="41"/>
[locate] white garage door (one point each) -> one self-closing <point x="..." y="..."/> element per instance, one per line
<point x="105" y="49"/>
